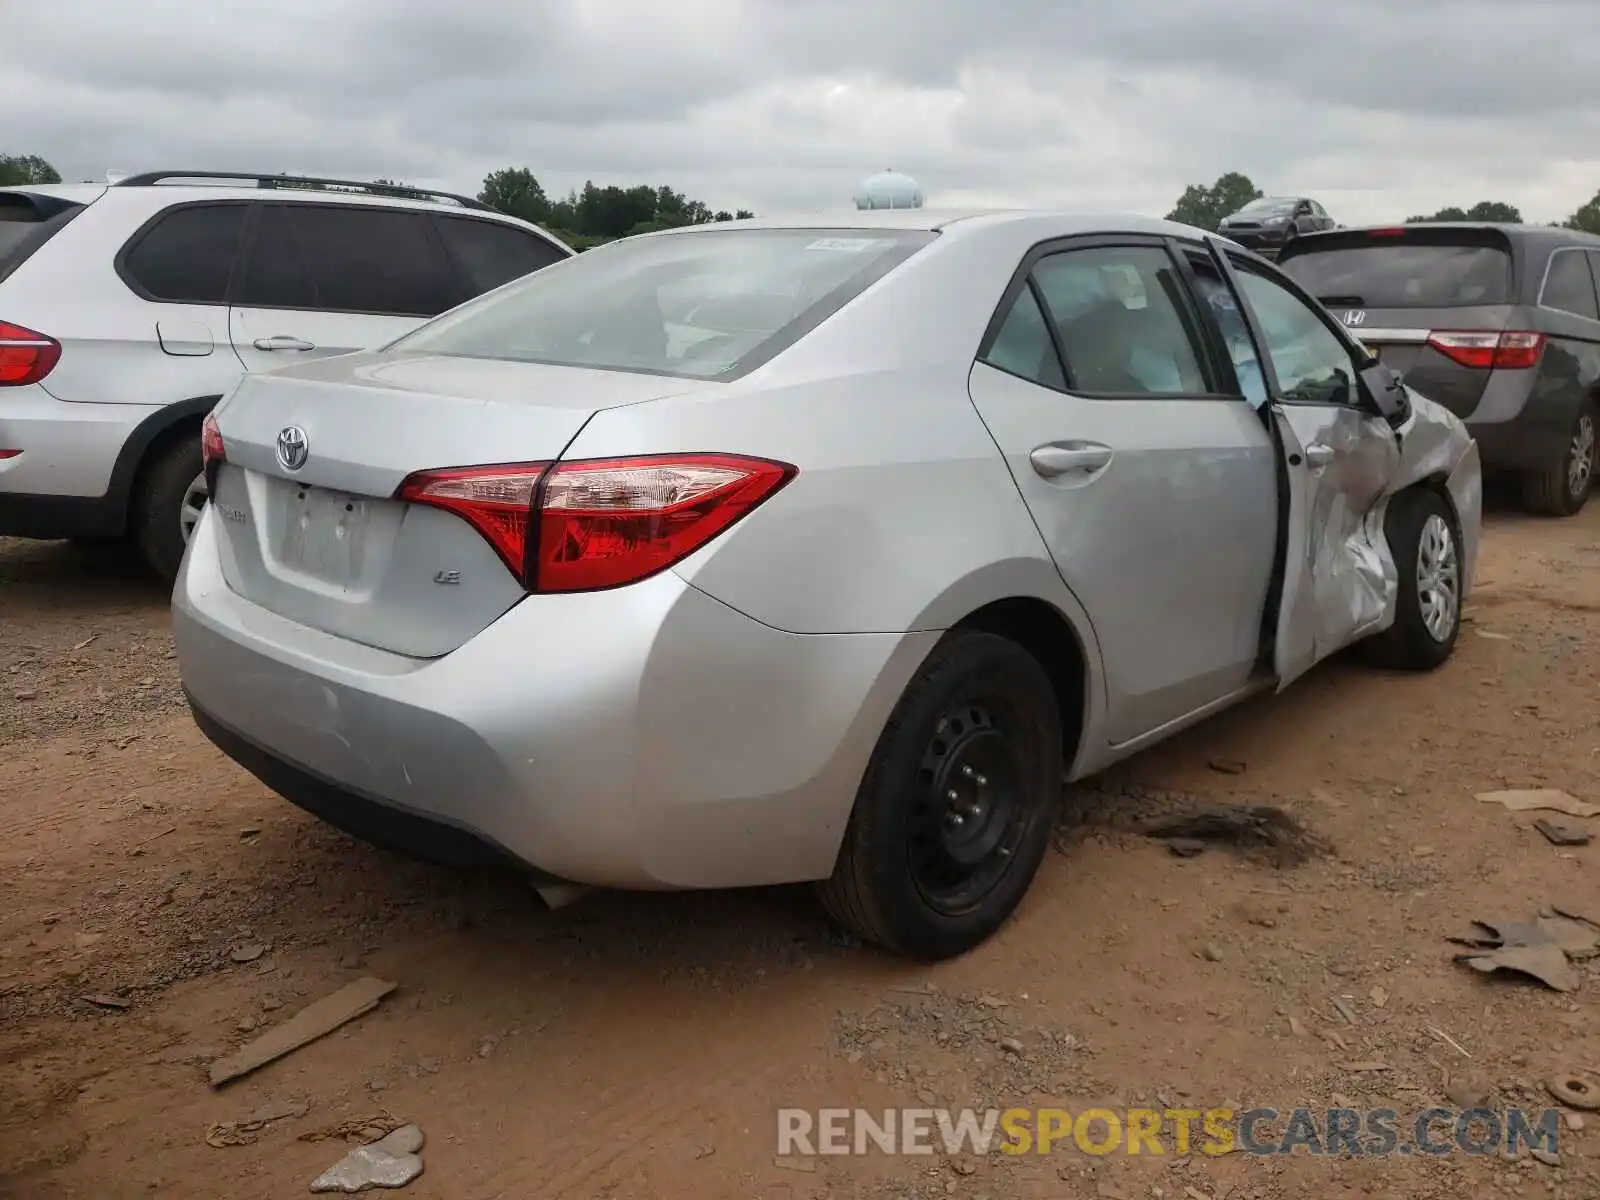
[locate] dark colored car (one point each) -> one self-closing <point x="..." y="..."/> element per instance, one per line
<point x="1270" y="223"/>
<point x="1498" y="323"/>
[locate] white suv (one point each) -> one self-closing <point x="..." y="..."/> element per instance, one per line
<point x="128" y="310"/>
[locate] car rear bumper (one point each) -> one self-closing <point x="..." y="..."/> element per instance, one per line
<point x="60" y="485"/>
<point x="645" y="737"/>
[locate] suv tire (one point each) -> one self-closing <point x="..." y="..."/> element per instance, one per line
<point x="1562" y="488"/>
<point x="975" y="738"/>
<point x="164" y="490"/>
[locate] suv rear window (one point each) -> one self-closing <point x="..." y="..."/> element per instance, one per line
<point x="1421" y="268"/>
<point x="708" y="305"/>
<point x="491" y="253"/>
<point x="28" y="222"/>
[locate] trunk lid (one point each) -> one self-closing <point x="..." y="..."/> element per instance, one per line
<point x="1393" y="288"/>
<point x="327" y="545"/>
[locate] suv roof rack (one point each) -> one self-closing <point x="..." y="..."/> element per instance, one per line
<point x="302" y="182"/>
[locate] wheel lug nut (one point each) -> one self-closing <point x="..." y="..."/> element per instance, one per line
<point x="952" y="795"/>
<point x="982" y="780"/>
<point x="967" y="771"/>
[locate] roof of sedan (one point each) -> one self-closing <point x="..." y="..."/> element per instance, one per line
<point x="942" y="219"/>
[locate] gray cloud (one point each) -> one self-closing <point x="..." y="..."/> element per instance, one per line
<point x="1379" y="109"/>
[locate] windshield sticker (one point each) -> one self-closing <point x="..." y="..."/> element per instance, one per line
<point x="846" y="245"/>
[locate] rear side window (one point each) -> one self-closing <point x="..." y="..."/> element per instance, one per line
<point x="28" y="222"/>
<point x="1123" y="320"/>
<point x="338" y="259"/>
<point x="490" y="253"/>
<point x="188" y="255"/>
<point x="1022" y="346"/>
<point x="1422" y="269"/>
<point x="1569" y="286"/>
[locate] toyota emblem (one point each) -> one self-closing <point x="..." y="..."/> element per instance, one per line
<point x="293" y="448"/>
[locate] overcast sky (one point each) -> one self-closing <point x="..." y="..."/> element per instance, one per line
<point x="1380" y="108"/>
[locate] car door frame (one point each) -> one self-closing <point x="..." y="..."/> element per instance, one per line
<point x="1290" y="648"/>
<point x="449" y="274"/>
<point x="1213" y="360"/>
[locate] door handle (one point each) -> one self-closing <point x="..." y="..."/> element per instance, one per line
<point x="282" y="341"/>
<point x="1063" y="458"/>
<point x="1319" y="455"/>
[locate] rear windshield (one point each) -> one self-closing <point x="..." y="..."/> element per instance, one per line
<point x="1421" y="269"/>
<point x="28" y="222"/>
<point x="705" y="305"/>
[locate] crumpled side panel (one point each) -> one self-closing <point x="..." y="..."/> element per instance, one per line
<point x="1433" y="443"/>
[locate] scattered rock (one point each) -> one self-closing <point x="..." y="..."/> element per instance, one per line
<point x="1468" y="1091"/>
<point x="1211" y="952"/>
<point x="1226" y="766"/>
<point x="1574" y="1121"/>
<point x="117" y="1002"/>
<point x="1548" y="1157"/>
<point x="1563" y="833"/>
<point x="1186" y="847"/>
<point x="246" y="954"/>
<point x="1012" y="1046"/>
<point x="1379" y="997"/>
<point x="391" y="1162"/>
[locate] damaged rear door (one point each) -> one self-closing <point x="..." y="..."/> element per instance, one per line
<point x="1339" y="460"/>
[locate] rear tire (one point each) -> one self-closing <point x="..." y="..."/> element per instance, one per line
<point x="164" y="507"/>
<point x="954" y="813"/>
<point x="1422" y="536"/>
<point x="1562" y="489"/>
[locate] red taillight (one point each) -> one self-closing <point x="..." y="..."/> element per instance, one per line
<point x="212" y="449"/>
<point x="1509" y="351"/>
<point x="601" y="523"/>
<point x="25" y="356"/>
<point x="497" y="501"/>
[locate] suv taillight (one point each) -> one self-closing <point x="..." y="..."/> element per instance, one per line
<point x="599" y="523"/>
<point x="25" y="356"/>
<point x="1512" y="350"/>
<point x="213" y="452"/>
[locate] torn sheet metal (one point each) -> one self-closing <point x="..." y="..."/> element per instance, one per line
<point x="1343" y="582"/>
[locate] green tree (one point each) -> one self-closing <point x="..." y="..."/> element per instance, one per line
<point x="16" y="169"/>
<point x="596" y="213"/>
<point x="1204" y="207"/>
<point x="1496" y="211"/>
<point x="1587" y="218"/>
<point x="515" y="192"/>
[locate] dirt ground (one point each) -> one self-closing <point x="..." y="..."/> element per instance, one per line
<point x="639" y="1046"/>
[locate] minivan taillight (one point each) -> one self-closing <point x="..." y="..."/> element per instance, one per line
<point x="1509" y="351"/>
<point x="599" y="523"/>
<point x="25" y="356"/>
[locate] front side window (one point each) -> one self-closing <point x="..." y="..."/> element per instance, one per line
<point x="1312" y="363"/>
<point x="1123" y="320"/>
<point x="700" y="305"/>
<point x="187" y="256"/>
<point x="1569" y="287"/>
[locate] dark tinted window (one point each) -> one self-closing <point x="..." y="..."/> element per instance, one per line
<point x="27" y="222"/>
<point x="187" y="256"/>
<point x="490" y="254"/>
<point x="346" y="260"/>
<point x="1123" y="321"/>
<point x="1023" y="346"/>
<point x="1569" y="286"/>
<point x="1436" y="269"/>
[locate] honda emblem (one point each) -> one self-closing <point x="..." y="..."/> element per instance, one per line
<point x="1355" y="317"/>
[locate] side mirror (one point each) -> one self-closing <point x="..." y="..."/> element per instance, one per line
<point x="1385" y="389"/>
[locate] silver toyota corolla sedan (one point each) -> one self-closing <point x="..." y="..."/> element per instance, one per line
<point x="815" y="550"/>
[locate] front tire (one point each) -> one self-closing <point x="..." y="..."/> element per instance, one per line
<point x="171" y="495"/>
<point x="954" y="813"/>
<point x="1562" y="489"/>
<point x="1422" y="536"/>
